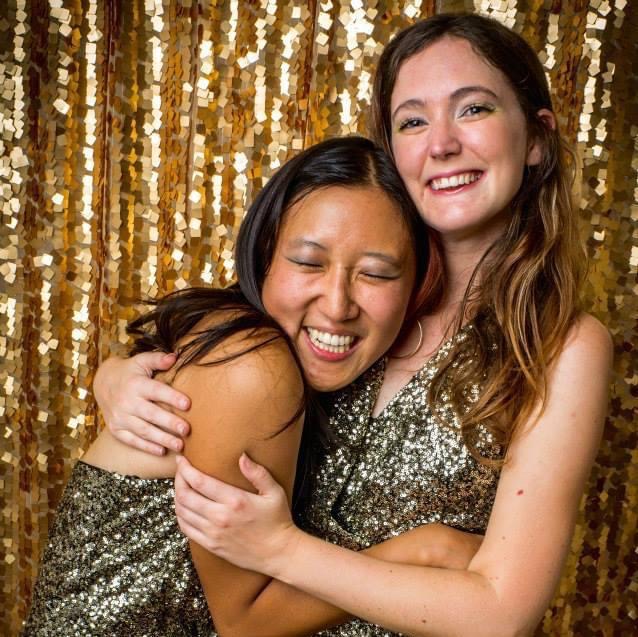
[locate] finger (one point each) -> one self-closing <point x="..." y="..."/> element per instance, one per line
<point x="131" y="440"/>
<point x="158" y="391"/>
<point x="202" y="512"/>
<point x="207" y="486"/>
<point x="137" y="428"/>
<point x="155" y="414"/>
<point x="193" y="517"/>
<point x="257" y="475"/>
<point x="154" y="361"/>
<point x="194" y="534"/>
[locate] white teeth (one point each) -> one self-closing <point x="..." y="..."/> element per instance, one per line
<point x="454" y="181"/>
<point x="335" y="343"/>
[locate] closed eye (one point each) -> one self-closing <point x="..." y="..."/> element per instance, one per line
<point x="382" y="277"/>
<point x="304" y="264"/>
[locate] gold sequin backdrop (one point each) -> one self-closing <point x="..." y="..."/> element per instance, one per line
<point x="132" y="135"/>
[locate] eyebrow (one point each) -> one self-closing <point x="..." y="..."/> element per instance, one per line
<point x="455" y="96"/>
<point x="383" y="257"/>
<point x="302" y="243"/>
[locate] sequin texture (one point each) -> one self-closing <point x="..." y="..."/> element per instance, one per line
<point x="397" y="471"/>
<point x="116" y="563"/>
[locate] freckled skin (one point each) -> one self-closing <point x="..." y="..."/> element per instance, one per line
<point x="520" y="492"/>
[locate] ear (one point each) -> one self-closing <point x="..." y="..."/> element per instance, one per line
<point x="535" y="151"/>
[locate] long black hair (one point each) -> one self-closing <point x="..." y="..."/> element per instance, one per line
<point x="352" y="162"/>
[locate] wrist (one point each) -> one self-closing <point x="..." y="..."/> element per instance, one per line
<point x="285" y="556"/>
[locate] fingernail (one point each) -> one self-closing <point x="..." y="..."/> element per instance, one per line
<point x="183" y="404"/>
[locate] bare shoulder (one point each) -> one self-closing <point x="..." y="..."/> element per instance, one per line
<point x="588" y="342"/>
<point x="589" y="331"/>
<point x="251" y="377"/>
<point x="259" y="359"/>
<point x="577" y="390"/>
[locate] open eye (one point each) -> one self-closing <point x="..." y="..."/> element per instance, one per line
<point x="411" y="122"/>
<point x="477" y="109"/>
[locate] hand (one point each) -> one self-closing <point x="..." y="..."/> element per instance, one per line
<point x="127" y="397"/>
<point x="252" y="531"/>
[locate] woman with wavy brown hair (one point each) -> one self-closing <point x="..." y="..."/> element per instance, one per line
<point x="487" y="416"/>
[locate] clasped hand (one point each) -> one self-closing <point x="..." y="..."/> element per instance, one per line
<point x="254" y="531"/>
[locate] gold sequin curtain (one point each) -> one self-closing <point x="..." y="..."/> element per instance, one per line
<point x="134" y="132"/>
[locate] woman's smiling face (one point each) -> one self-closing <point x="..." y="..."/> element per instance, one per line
<point x="459" y="139"/>
<point x="340" y="281"/>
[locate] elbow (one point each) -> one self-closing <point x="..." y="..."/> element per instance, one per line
<point x="502" y="629"/>
<point x="510" y="627"/>
<point x="504" y="620"/>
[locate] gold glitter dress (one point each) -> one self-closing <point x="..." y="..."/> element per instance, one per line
<point x="397" y="471"/>
<point x="116" y="563"/>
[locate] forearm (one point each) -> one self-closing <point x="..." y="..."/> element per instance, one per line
<point x="404" y="598"/>
<point x="282" y="610"/>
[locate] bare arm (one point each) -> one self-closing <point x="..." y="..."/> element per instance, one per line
<point x="509" y="583"/>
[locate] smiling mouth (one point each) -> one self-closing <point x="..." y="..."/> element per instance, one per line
<point x="333" y="343"/>
<point x="455" y="181"/>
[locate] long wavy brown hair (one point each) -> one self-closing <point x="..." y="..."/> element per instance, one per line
<point x="523" y="296"/>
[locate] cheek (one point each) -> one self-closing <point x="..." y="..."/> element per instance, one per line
<point x="507" y="144"/>
<point x="284" y="296"/>
<point x="406" y="157"/>
<point x="387" y="309"/>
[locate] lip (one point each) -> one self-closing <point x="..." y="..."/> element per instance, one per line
<point x="453" y="191"/>
<point x="330" y="357"/>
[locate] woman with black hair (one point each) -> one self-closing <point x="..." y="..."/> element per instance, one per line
<point x="327" y="259"/>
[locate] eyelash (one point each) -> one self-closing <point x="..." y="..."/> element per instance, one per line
<point x="305" y="264"/>
<point x="408" y="123"/>
<point x="412" y="122"/>
<point x="479" y="108"/>
<point x="379" y="276"/>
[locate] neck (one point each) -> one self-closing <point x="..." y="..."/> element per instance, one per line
<point x="460" y="259"/>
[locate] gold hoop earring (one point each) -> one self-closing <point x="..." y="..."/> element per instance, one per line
<point x="418" y="346"/>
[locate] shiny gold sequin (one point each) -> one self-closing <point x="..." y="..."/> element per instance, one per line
<point x="116" y="563"/>
<point x="132" y="134"/>
<point x="404" y="468"/>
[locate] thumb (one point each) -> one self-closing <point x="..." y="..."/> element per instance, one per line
<point x="257" y="475"/>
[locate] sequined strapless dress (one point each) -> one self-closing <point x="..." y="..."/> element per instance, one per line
<point x="397" y="471"/>
<point x="116" y="563"/>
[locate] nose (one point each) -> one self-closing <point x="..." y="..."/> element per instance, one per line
<point x="443" y="139"/>
<point x="337" y="299"/>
